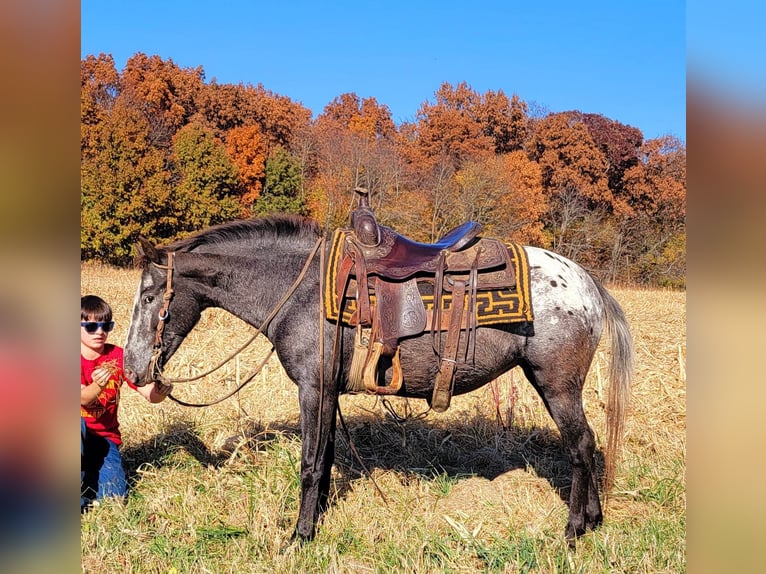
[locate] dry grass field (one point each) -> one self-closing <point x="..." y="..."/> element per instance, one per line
<point x="479" y="488"/>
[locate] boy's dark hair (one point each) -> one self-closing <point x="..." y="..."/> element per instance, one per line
<point x="94" y="308"/>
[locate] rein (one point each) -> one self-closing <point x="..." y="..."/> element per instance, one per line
<point x="164" y="313"/>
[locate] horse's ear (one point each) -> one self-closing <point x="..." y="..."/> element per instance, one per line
<point x="147" y="251"/>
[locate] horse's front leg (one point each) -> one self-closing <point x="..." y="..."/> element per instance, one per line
<point x="317" y="455"/>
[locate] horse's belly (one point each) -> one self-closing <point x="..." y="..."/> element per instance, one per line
<point x="493" y="353"/>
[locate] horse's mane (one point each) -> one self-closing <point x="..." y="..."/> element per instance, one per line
<point x="282" y="226"/>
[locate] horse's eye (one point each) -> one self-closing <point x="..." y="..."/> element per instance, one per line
<point x="148" y="299"/>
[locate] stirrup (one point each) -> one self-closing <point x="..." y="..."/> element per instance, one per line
<point x="371" y="372"/>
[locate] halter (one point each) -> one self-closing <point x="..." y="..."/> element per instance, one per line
<point x="154" y="367"/>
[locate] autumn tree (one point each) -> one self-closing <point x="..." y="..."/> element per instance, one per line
<point x="278" y="116"/>
<point x="504" y="120"/>
<point x="163" y="93"/>
<point x="451" y="128"/>
<point x="618" y="142"/>
<point x="575" y="182"/>
<point x="355" y="147"/>
<point x="505" y="194"/>
<point x="206" y="190"/>
<point x="223" y="107"/>
<point x="226" y="106"/>
<point x="246" y="148"/>
<point x="99" y="89"/>
<point x="656" y="222"/>
<point x="460" y="128"/>
<point x="164" y="153"/>
<point x="520" y="214"/>
<point x="125" y="187"/>
<point x="124" y="191"/>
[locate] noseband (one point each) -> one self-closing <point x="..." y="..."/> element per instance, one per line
<point x="154" y="369"/>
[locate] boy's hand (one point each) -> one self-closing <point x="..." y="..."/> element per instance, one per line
<point x="101" y="376"/>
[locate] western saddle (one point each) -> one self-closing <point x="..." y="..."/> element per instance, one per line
<point x="388" y="275"/>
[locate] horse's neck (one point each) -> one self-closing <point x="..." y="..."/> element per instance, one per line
<point x="255" y="285"/>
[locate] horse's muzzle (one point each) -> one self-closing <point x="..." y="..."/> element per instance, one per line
<point x="132" y="377"/>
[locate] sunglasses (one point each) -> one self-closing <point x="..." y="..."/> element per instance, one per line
<point x="93" y="326"/>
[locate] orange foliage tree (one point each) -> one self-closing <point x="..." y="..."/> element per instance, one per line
<point x="505" y="194"/>
<point x="125" y="187"/>
<point x="451" y="128"/>
<point x="163" y="153"/>
<point x="354" y="140"/>
<point x="505" y="120"/>
<point x="656" y="220"/>
<point x="164" y="93"/>
<point x="246" y="147"/>
<point x="575" y="182"/>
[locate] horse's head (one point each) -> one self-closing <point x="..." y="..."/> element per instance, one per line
<point x="162" y="316"/>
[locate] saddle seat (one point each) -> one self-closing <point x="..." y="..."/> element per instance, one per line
<point x="394" y="256"/>
<point x="407" y="257"/>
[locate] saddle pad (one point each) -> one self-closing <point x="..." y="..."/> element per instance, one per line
<point x="493" y="307"/>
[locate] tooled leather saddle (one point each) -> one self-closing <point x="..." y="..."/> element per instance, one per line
<point x="387" y="275"/>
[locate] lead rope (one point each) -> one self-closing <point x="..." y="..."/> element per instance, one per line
<point x="263" y="326"/>
<point x="335" y="370"/>
<point x="232" y="393"/>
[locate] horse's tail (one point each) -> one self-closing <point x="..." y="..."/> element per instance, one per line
<point x="620" y="375"/>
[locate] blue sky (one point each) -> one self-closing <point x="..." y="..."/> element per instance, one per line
<point x="623" y="59"/>
<point x="726" y="48"/>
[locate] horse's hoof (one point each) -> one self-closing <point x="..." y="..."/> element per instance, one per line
<point x="595" y="523"/>
<point x="298" y="539"/>
<point x="572" y="534"/>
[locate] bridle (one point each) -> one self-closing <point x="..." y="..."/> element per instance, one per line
<point x="154" y="369"/>
<point x="154" y="362"/>
<point x="164" y="313"/>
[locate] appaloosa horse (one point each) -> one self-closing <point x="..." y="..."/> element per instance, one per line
<point x="247" y="267"/>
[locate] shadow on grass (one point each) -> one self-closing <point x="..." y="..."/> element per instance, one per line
<point x="183" y="436"/>
<point x="472" y="447"/>
<point x="427" y="449"/>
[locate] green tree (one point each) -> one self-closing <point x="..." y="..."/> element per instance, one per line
<point x="206" y="192"/>
<point x="283" y="183"/>
<point x="125" y="187"/>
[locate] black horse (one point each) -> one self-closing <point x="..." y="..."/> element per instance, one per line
<point x="247" y="267"/>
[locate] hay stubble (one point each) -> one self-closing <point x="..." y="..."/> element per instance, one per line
<point x="478" y="488"/>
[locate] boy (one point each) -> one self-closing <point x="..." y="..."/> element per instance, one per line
<point x="101" y="471"/>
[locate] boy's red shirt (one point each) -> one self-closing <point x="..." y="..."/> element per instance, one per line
<point x="101" y="417"/>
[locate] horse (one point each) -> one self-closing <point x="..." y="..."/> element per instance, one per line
<point x="246" y="267"/>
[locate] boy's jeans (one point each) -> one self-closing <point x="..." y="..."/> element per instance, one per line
<point x="101" y="472"/>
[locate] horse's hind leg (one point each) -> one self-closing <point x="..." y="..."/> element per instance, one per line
<point x="563" y="398"/>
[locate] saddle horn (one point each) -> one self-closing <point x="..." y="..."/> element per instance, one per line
<point x="363" y="220"/>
